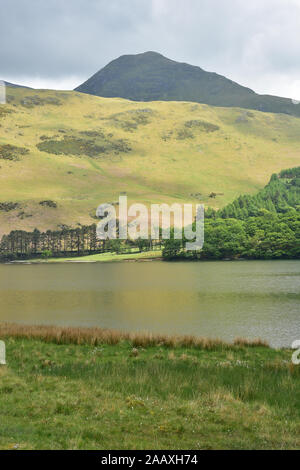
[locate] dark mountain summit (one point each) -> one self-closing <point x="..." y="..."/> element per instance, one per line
<point x="152" y="77"/>
<point x="13" y="85"/>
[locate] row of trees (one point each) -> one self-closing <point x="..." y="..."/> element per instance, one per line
<point x="266" y="225"/>
<point x="67" y="241"/>
<point x="269" y="235"/>
<point x="20" y="243"/>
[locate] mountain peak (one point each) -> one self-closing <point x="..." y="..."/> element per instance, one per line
<point x="13" y="85"/>
<point x="144" y="55"/>
<point x="150" y="54"/>
<point x="150" y="76"/>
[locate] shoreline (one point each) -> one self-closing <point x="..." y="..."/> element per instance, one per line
<point x="96" y="336"/>
<point x="114" y="258"/>
<point x="97" y="258"/>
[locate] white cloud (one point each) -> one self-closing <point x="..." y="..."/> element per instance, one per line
<point x="59" y="83"/>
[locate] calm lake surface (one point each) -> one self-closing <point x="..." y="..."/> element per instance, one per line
<point x="215" y="299"/>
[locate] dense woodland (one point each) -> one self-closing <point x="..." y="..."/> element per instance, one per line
<point x="263" y="226"/>
<point x="280" y="195"/>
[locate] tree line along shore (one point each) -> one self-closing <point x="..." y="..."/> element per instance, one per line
<point x="262" y="226"/>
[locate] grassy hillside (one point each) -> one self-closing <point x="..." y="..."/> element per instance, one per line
<point x="64" y="153"/>
<point x="151" y="76"/>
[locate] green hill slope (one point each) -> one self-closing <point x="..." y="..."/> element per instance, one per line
<point x="151" y="76"/>
<point x="64" y="153"/>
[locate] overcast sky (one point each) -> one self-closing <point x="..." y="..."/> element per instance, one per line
<point x="61" y="43"/>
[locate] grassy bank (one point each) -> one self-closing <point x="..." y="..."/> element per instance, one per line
<point x="140" y="391"/>
<point x="101" y="258"/>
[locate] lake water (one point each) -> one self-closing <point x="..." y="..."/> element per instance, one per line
<point x="215" y="299"/>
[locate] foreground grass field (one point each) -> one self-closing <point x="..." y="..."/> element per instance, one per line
<point x="137" y="392"/>
<point x="64" y="153"/>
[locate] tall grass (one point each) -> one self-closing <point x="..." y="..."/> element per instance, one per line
<point x="96" y="336"/>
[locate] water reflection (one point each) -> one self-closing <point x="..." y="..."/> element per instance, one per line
<point x="217" y="299"/>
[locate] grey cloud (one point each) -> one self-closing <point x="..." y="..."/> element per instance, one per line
<point x="55" y="39"/>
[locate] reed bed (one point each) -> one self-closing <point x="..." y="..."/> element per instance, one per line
<point x="97" y="336"/>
